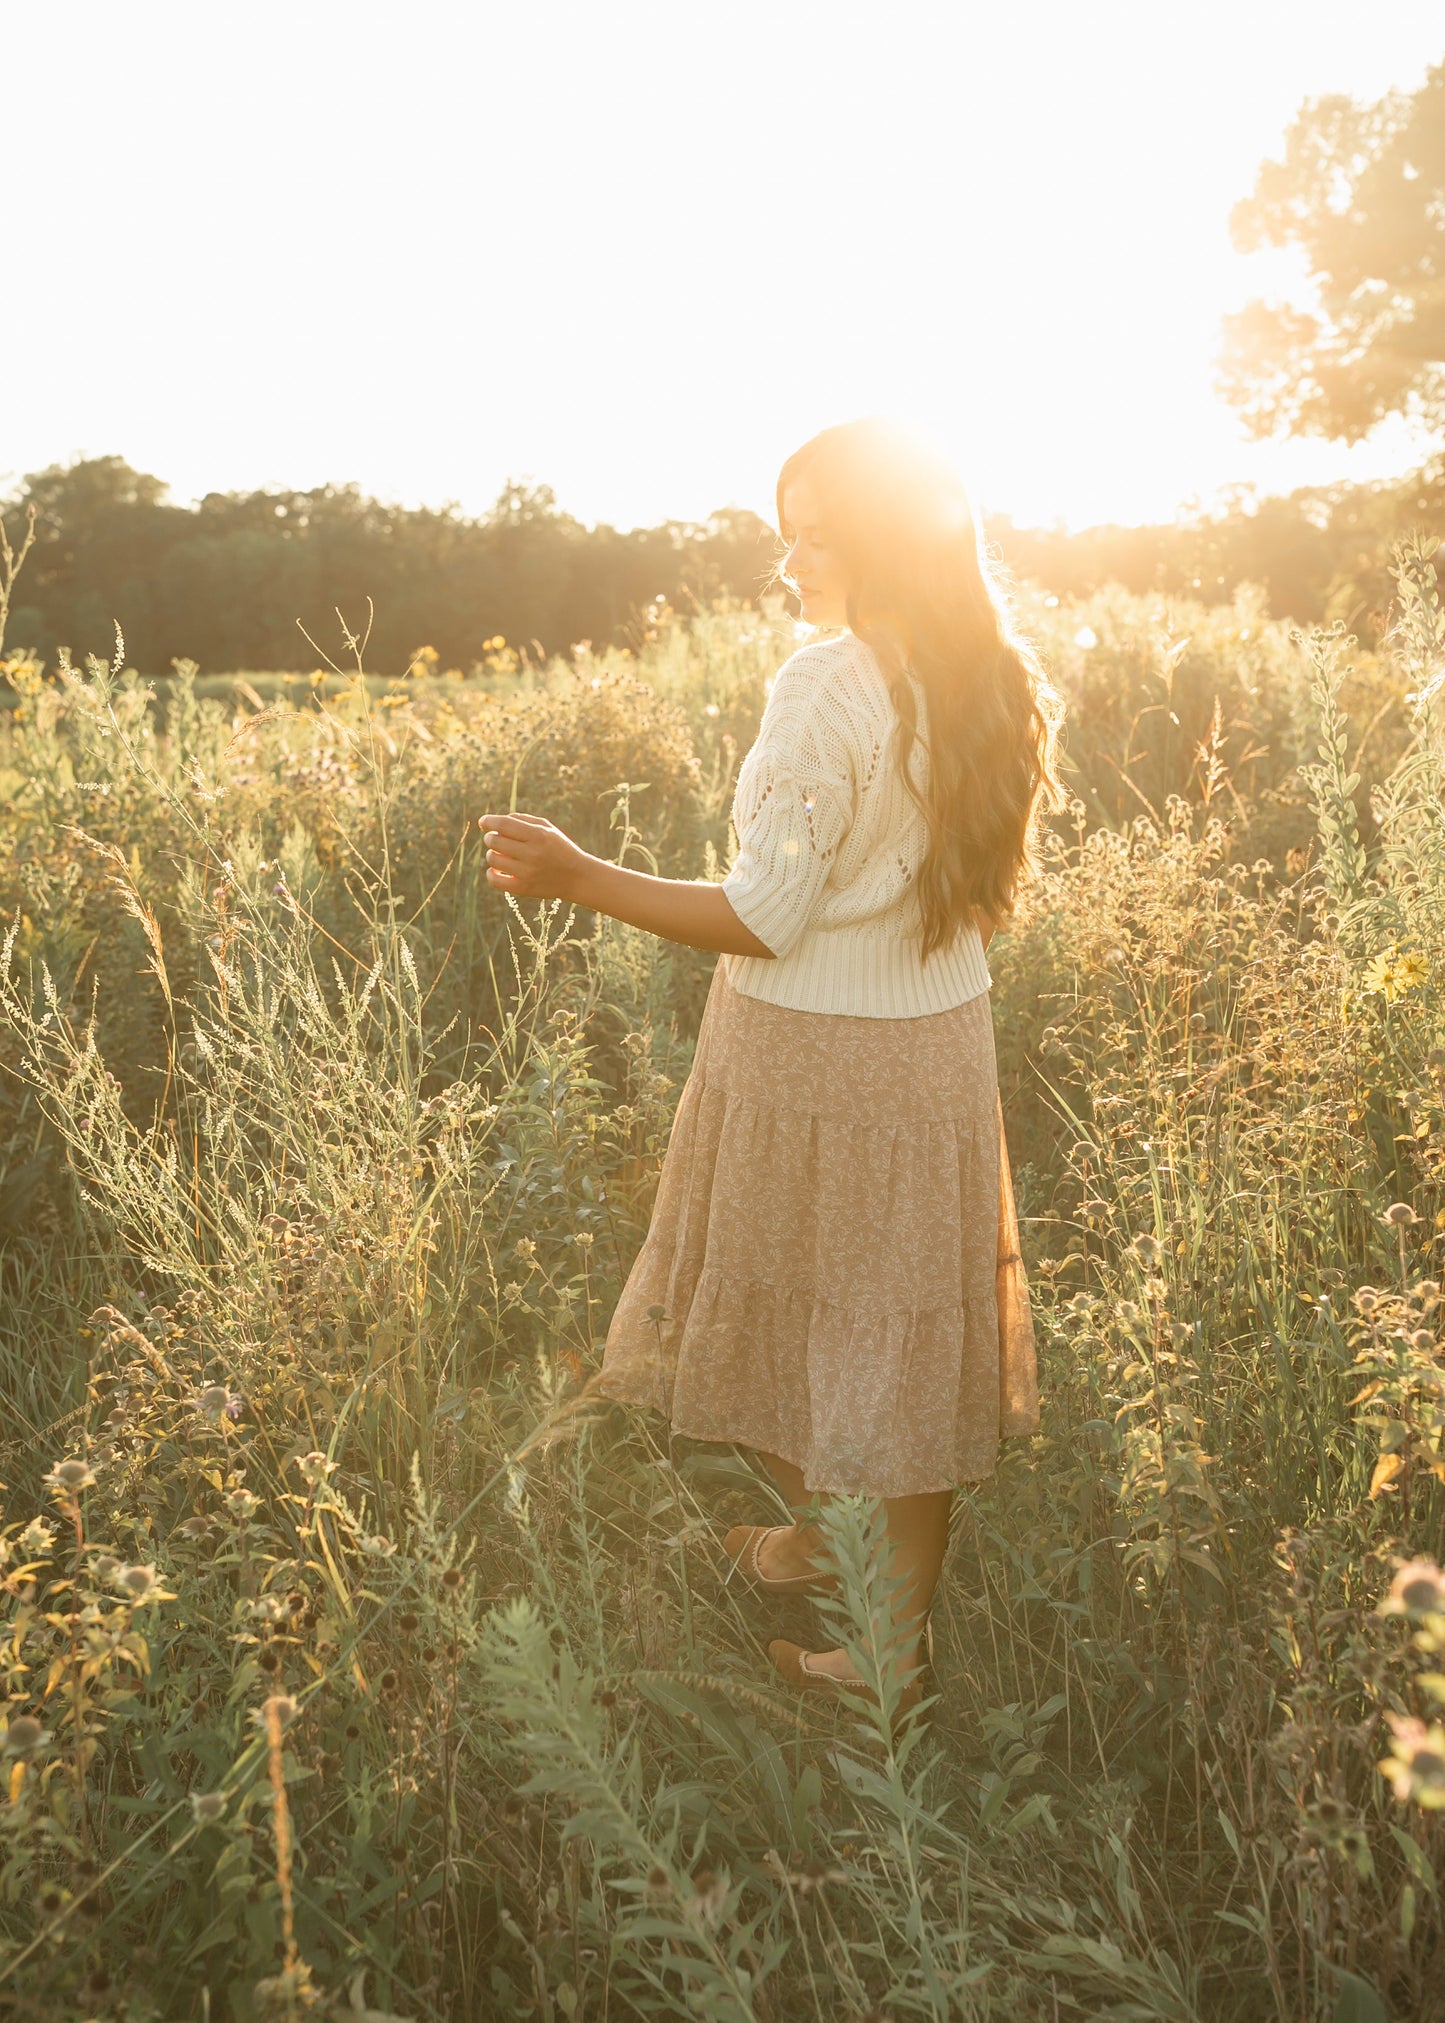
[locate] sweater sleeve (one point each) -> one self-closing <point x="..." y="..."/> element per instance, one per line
<point x="795" y="802"/>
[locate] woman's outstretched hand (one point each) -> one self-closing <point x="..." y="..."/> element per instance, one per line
<point x="530" y="857"/>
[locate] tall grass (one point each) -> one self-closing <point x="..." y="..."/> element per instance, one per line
<point x="359" y="1661"/>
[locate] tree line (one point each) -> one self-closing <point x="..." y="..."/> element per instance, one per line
<point x="231" y="581"/>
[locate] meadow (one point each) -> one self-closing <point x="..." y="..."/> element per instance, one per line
<point x="357" y="1662"/>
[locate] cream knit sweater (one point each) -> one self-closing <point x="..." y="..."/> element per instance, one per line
<point x="828" y="847"/>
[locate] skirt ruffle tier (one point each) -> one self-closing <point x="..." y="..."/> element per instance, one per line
<point x="835" y="1250"/>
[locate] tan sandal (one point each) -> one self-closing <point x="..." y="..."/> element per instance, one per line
<point x="742" y="1545"/>
<point x="791" y="1660"/>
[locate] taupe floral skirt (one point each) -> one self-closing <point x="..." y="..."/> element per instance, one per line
<point x="835" y="1249"/>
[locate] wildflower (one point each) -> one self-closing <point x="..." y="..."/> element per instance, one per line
<point x="280" y="1707"/>
<point x="1379" y="977"/>
<point x="376" y="1547"/>
<point x="408" y="1622"/>
<point x="139" y="1582"/>
<point x="37" y="1539"/>
<point x="1149" y="1248"/>
<point x="584" y="1239"/>
<point x="208" y="1806"/>
<point x="1416" y="1765"/>
<point x="25" y="1735"/>
<point x="452" y="1578"/>
<point x="1418" y="1589"/>
<point x="1367" y="1299"/>
<point x="656" y="1312"/>
<point x="315" y="1468"/>
<point x="197" y="1527"/>
<point x="1399" y="1214"/>
<point x="242" y="1504"/>
<point x="214" y="1400"/>
<point x="51" y="1899"/>
<point x="658" y="1887"/>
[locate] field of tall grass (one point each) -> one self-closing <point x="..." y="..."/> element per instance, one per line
<point x="358" y="1662"/>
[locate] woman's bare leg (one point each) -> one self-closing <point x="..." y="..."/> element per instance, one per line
<point x="917" y="1526"/>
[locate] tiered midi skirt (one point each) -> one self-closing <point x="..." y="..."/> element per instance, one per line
<point x="834" y="1248"/>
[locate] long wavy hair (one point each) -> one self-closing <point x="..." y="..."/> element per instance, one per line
<point x="923" y="592"/>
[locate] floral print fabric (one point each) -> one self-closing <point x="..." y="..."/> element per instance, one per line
<point x="835" y="1249"/>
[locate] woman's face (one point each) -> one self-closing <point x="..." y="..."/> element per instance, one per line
<point x="811" y="566"/>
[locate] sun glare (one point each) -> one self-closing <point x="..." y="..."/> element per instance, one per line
<point x="640" y="261"/>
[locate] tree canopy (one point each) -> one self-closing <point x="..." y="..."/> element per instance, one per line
<point x="1361" y="191"/>
<point x="231" y="581"/>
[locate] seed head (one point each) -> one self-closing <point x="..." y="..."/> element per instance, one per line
<point x="315" y="1468"/>
<point x="68" y="1478"/>
<point x="656" y="1312"/>
<point x="1418" y="1589"/>
<point x="242" y="1504"/>
<point x="214" y="1401"/>
<point x="1400" y="1214"/>
<point x="452" y="1578"/>
<point x="139" y="1582"/>
<point x="24" y="1735"/>
<point x="196" y="1527"/>
<point x="208" y="1806"/>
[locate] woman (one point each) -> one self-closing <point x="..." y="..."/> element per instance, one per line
<point x="833" y="1248"/>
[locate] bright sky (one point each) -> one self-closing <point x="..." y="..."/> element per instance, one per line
<point x="640" y="250"/>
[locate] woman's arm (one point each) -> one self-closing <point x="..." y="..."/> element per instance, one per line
<point x="532" y="859"/>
